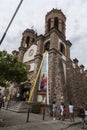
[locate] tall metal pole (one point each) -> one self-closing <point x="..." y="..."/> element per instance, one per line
<point x="10" y="22"/>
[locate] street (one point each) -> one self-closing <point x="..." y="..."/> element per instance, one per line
<point x="17" y="121"/>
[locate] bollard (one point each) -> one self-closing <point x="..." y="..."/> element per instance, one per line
<point x="43" y="113"/>
<point x="28" y="114"/>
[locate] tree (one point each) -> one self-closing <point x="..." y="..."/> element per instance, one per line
<point x="11" y="69"/>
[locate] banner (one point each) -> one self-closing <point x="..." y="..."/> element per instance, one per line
<point x="44" y="74"/>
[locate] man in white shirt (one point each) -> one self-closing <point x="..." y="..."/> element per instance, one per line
<point x="71" y="112"/>
<point x="61" y="111"/>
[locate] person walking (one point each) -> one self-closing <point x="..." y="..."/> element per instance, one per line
<point x="61" y="111"/>
<point x="71" y="112"/>
<point x="86" y="111"/>
<point x="54" y="108"/>
<point x="83" y="113"/>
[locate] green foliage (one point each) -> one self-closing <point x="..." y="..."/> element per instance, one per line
<point x="11" y="69"/>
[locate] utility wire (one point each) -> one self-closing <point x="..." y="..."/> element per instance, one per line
<point x="10" y="22"/>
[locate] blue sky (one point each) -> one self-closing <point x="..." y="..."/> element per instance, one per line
<point x="32" y="13"/>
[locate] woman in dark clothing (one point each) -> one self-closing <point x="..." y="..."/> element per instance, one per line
<point x="82" y="115"/>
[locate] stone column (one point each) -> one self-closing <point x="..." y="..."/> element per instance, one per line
<point x="52" y="23"/>
<point x="24" y="41"/>
<point x="21" y="53"/>
<point x="60" y="25"/>
<point x="68" y="45"/>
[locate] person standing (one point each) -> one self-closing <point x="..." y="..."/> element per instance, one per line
<point x="64" y="112"/>
<point x="54" y="108"/>
<point x="71" y="111"/>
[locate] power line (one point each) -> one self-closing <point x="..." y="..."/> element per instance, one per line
<point x="10" y="22"/>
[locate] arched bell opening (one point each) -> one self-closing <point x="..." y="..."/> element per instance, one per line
<point x="47" y="46"/>
<point x="62" y="48"/>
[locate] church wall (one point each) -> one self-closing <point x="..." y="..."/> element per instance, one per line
<point x="76" y="84"/>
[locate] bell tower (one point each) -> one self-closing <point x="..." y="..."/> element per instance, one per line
<point x="28" y="39"/>
<point x="55" y="19"/>
<point x="58" y="52"/>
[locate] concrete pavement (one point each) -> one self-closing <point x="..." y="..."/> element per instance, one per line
<point x="17" y="121"/>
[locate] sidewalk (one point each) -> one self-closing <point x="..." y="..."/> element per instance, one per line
<point x="17" y="121"/>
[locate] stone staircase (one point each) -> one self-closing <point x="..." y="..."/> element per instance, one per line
<point x="20" y="106"/>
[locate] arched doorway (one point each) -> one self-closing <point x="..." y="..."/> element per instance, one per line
<point x="25" y="91"/>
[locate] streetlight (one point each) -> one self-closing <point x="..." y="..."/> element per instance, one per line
<point x="10" y="22"/>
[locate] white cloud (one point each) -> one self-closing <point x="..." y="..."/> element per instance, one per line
<point x="32" y="13"/>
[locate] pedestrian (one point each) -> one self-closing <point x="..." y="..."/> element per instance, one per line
<point x="18" y="96"/>
<point x="54" y="108"/>
<point x="61" y="111"/>
<point x="83" y="115"/>
<point x="64" y="112"/>
<point x="71" y="112"/>
<point x="4" y="100"/>
<point x="86" y="111"/>
<point x="8" y="101"/>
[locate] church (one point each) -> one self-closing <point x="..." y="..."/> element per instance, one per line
<point x="53" y="75"/>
